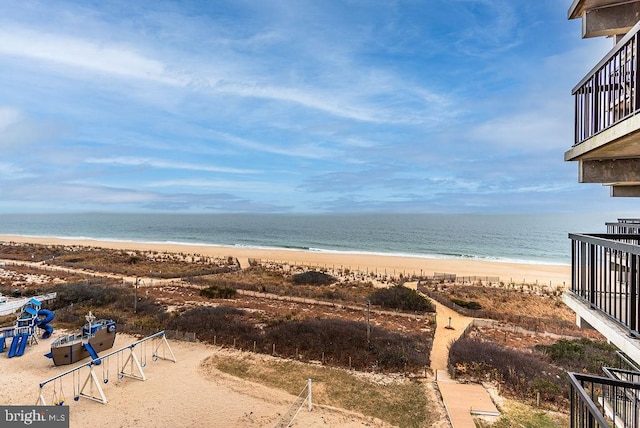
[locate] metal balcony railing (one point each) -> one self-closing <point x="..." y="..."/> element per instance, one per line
<point x="607" y="95"/>
<point x="604" y="401"/>
<point x="624" y="225"/>
<point x="605" y="275"/>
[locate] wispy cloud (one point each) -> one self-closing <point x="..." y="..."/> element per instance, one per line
<point x="166" y="164"/>
<point x="121" y="61"/>
<point x="228" y="185"/>
<point x="489" y="27"/>
<point x="83" y="53"/>
<point x="18" y="131"/>
<point x="12" y="172"/>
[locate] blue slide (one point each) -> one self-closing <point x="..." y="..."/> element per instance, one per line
<point x="23" y="344"/>
<point x="93" y="353"/>
<point x="2" y="344"/>
<point x="43" y="323"/>
<point x="15" y="342"/>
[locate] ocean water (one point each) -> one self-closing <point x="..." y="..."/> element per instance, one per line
<point x="540" y="238"/>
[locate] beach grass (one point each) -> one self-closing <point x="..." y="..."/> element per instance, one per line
<point x="517" y="414"/>
<point x="397" y="401"/>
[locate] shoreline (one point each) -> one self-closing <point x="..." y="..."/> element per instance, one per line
<point x="313" y="250"/>
<point x="555" y="275"/>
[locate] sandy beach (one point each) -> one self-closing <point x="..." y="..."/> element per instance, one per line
<point x="555" y="275"/>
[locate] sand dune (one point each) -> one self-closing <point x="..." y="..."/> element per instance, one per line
<point x="556" y="275"/>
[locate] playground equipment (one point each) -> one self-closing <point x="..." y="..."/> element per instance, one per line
<point x="130" y="362"/>
<point x="95" y="336"/>
<point x="23" y="333"/>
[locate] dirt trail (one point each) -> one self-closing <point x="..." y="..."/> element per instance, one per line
<point x="450" y="326"/>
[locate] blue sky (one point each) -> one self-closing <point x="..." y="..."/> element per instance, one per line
<point x="292" y="106"/>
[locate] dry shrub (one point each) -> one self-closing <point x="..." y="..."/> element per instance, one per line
<point x="401" y="298"/>
<point x="223" y="323"/>
<point x="262" y="280"/>
<point x="313" y="278"/>
<point x="523" y="374"/>
<point x="215" y="292"/>
<point x="111" y="301"/>
<point x="582" y="355"/>
<point x="339" y="342"/>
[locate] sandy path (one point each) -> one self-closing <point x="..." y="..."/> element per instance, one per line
<point x="444" y="335"/>
<point x="182" y="394"/>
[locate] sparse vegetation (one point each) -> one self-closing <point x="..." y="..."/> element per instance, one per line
<point x="399" y="402"/>
<point x="331" y="341"/>
<point x="122" y="262"/>
<point x="262" y="280"/>
<point x="528" y="310"/>
<point x="518" y="415"/>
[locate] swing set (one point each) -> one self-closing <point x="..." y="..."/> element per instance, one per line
<point x="130" y="362"/>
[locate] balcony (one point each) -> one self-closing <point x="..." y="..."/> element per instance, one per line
<point x="607" y="123"/>
<point x="607" y="95"/>
<point x="605" y="277"/>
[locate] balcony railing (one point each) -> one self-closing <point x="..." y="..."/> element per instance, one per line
<point x="607" y="95"/>
<point x="624" y="225"/>
<point x="605" y="275"/>
<point x="604" y="401"/>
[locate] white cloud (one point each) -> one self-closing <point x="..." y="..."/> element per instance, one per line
<point x="8" y="117"/>
<point x="155" y="163"/>
<point x="18" y="131"/>
<point x="489" y="28"/>
<point x="227" y="185"/>
<point x="9" y="171"/>
<point x="300" y="150"/>
<point x="83" y="53"/>
<point x="526" y="131"/>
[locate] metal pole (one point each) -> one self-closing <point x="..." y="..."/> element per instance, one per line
<point x="135" y="296"/>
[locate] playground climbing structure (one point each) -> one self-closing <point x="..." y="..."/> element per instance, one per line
<point x="94" y="336"/>
<point x="23" y="332"/>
